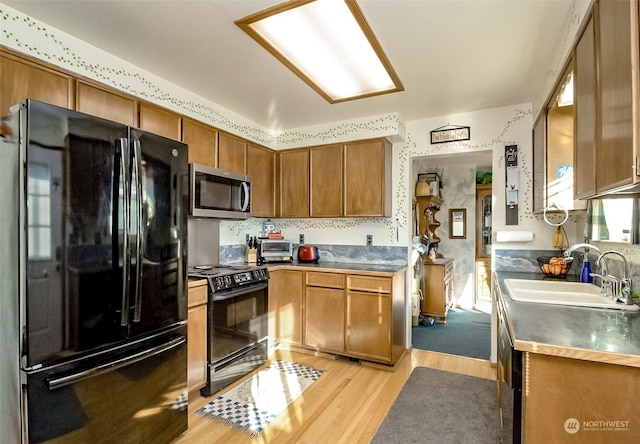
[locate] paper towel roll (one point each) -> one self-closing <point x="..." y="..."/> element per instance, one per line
<point x="514" y="236"/>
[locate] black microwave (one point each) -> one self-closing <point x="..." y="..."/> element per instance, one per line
<point x="218" y="193"/>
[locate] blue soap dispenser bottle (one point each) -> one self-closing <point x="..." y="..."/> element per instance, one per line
<point x="585" y="274"/>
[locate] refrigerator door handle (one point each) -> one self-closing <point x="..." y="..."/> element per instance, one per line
<point x="139" y="228"/>
<point x="123" y="151"/>
<point x="245" y="192"/>
<point x="62" y="381"/>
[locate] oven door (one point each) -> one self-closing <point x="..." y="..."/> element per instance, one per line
<point x="237" y="320"/>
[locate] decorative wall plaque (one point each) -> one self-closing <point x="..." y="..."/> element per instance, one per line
<point x="449" y="133"/>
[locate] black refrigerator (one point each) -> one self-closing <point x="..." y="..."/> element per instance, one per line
<point x="103" y="290"/>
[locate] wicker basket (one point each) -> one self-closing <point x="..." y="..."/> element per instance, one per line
<point x="554" y="266"/>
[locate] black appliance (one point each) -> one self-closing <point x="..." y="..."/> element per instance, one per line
<point x="103" y="279"/>
<point x="218" y="193"/>
<point x="237" y="324"/>
<point x="510" y="380"/>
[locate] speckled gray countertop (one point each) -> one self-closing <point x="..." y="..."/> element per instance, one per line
<point x="601" y="335"/>
<point x="356" y="267"/>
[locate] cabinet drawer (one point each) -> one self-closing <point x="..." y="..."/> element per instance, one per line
<point x="197" y="295"/>
<point x="330" y="280"/>
<point x="369" y="283"/>
<point x="448" y="271"/>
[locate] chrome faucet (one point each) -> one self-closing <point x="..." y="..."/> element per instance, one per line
<point x="574" y="247"/>
<point x="625" y="282"/>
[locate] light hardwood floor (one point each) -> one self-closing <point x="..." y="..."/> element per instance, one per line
<point x="346" y="405"/>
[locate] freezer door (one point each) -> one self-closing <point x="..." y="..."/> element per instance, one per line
<point x="71" y="290"/>
<point x="158" y="232"/>
<point x="134" y="395"/>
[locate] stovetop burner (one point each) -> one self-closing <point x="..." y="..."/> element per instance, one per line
<point x="227" y="277"/>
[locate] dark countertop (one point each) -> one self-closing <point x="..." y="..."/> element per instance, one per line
<point x="602" y="335"/>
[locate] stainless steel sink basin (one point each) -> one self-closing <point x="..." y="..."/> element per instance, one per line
<point x="562" y="293"/>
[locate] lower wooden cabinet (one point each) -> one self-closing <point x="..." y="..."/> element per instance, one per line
<point x="285" y="307"/>
<point x="483" y="279"/>
<point x="438" y="288"/>
<point x="356" y="315"/>
<point x="324" y="311"/>
<point x="197" y="336"/>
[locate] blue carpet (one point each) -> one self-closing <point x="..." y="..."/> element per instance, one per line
<point x="466" y="333"/>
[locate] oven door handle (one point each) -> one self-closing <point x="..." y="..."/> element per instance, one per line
<point x="238" y="292"/>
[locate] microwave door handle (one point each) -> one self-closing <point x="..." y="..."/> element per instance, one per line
<point x="137" y="187"/>
<point x="245" y="193"/>
<point x="122" y="152"/>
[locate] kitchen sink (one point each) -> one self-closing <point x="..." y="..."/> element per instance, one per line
<point x="562" y="293"/>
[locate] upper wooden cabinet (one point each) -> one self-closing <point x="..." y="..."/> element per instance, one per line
<point x="101" y="102"/>
<point x="261" y="167"/>
<point x="22" y="80"/>
<point x="232" y="153"/>
<point x="553" y="149"/>
<point x="202" y="140"/>
<point x="367" y="178"/>
<point x="326" y="181"/>
<point x="160" y="121"/>
<point x="585" y="113"/>
<point x="607" y="100"/>
<point x="293" y="183"/>
<point x="616" y="153"/>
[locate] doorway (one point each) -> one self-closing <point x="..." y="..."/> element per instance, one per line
<point x="470" y="305"/>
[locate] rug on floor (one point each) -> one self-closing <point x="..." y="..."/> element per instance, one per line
<point x="466" y="333"/>
<point x="254" y="403"/>
<point x="441" y="407"/>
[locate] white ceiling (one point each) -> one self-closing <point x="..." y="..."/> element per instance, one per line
<point x="452" y="56"/>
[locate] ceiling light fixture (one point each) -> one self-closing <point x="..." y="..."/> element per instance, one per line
<point x="328" y="44"/>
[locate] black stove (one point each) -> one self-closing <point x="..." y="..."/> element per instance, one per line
<point x="229" y="277"/>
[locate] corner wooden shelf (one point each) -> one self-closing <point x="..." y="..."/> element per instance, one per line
<point x="426" y="209"/>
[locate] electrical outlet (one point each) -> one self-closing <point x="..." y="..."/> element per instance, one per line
<point x="301" y="239"/>
<point x="369" y="240"/>
<point x="247" y="237"/>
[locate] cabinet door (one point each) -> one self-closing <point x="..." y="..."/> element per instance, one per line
<point x="483" y="279"/>
<point x="324" y="318"/>
<point x="203" y="142"/>
<point x="285" y="306"/>
<point x="585" y="114"/>
<point x="107" y="104"/>
<point x="484" y="220"/>
<point x="367" y="178"/>
<point x="232" y="153"/>
<point x="21" y="80"/>
<point x="261" y="166"/>
<point x="539" y="178"/>
<point x="369" y="325"/>
<point x="326" y="181"/>
<point x="197" y="335"/>
<point x="160" y="121"/>
<point x="197" y="347"/>
<point x="614" y="156"/>
<point x="293" y="172"/>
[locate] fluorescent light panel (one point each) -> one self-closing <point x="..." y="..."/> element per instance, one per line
<point x="327" y="43"/>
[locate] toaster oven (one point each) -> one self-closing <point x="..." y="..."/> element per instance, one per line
<point x="274" y="250"/>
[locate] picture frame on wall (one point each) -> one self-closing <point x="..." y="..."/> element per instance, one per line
<point x="458" y="223"/>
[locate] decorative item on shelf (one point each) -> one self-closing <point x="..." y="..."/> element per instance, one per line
<point x="433" y="181"/>
<point x="450" y="133"/>
<point x="423" y="188"/>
